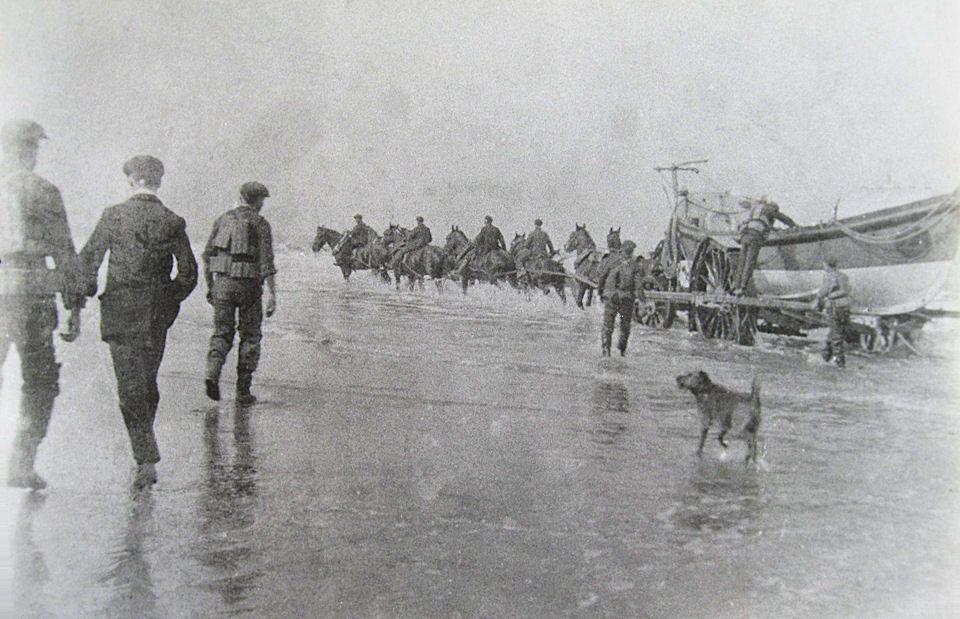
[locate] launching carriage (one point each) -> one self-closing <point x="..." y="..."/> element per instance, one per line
<point x="898" y="260"/>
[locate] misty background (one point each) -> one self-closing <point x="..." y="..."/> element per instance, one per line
<point x="520" y="109"/>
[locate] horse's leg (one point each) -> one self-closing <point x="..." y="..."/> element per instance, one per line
<point x="578" y="294"/>
<point x="589" y="296"/>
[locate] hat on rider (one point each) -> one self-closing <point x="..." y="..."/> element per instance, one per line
<point x="420" y="219"/>
<point x="538" y="222"/>
<point x="358" y="217"/>
<point x="628" y="247"/>
<point x="253" y="190"/>
<point x="488" y="219"/>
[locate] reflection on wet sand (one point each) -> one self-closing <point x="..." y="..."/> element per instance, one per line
<point x="720" y="496"/>
<point x="228" y="494"/>
<point x="129" y="577"/>
<point x="30" y="573"/>
<point x="611" y="401"/>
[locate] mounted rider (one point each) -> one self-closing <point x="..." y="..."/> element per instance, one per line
<point x="418" y="238"/>
<point x="538" y="241"/>
<point x="487" y="240"/>
<point x="361" y="234"/>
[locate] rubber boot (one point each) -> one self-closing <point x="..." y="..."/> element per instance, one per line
<point x="841" y="359"/>
<point x="828" y="353"/>
<point x="244" y="379"/>
<point x="146" y="475"/>
<point x="21" y="473"/>
<point x="212" y="381"/>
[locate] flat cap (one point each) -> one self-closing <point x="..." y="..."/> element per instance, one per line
<point x="358" y="216"/>
<point x="144" y="167"/>
<point x="21" y="131"/>
<point x="253" y="190"/>
<point x="538" y="222"/>
<point x="420" y="218"/>
<point x="628" y="246"/>
<point x="488" y="219"/>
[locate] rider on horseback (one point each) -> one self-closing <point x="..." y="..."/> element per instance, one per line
<point x="361" y="234"/>
<point x="538" y="241"/>
<point x="418" y="238"/>
<point x="488" y="239"/>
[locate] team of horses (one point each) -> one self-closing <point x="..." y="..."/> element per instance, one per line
<point x="519" y="265"/>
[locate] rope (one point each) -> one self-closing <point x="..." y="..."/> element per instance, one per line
<point x="922" y="225"/>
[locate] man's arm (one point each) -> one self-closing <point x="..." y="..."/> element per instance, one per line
<point x="92" y="254"/>
<point x="268" y="268"/>
<point x="785" y="219"/>
<point x="186" y="279"/>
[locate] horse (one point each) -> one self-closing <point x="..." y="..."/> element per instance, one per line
<point x="428" y="261"/>
<point x="587" y="264"/>
<point x="351" y="256"/>
<point x="325" y="236"/>
<point x="537" y="271"/>
<point x="613" y="239"/>
<point x="492" y="267"/>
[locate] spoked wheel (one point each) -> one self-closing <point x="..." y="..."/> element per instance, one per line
<point x="713" y="271"/>
<point x="656" y="313"/>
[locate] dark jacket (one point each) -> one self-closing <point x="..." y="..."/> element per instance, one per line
<point x="420" y="236"/>
<point x="488" y="239"/>
<point x="144" y="238"/>
<point x="34" y="226"/>
<point x="539" y="242"/>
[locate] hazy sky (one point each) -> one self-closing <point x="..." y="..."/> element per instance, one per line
<point x="458" y="109"/>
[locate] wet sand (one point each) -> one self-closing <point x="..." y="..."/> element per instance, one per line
<point x="423" y="456"/>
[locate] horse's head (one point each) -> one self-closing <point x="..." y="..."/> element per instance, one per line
<point x="325" y="236"/>
<point x="519" y="242"/>
<point x="579" y="240"/>
<point x="394" y="234"/>
<point x="455" y="240"/>
<point x="613" y="239"/>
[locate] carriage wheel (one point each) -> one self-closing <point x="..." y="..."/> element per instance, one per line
<point x="713" y="271"/>
<point x="656" y="313"/>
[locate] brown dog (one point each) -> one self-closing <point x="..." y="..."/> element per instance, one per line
<point x="727" y="408"/>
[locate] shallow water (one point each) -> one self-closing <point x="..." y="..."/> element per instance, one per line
<point x="419" y="455"/>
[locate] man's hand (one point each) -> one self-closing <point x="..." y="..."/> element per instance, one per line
<point x="73" y="326"/>
<point x="271" y="304"/>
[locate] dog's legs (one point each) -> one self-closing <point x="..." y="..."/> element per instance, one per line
<point x="703" y="439"/>
<point x="752" y="449"/>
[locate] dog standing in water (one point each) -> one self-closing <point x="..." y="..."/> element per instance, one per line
<point x="726" y="408"/>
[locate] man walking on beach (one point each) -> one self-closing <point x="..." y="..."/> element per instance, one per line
<point x="34" y="228"/>
<point x="237" y="261"/>
<point x="620" y="290"/>
<point x="140" y="301"/>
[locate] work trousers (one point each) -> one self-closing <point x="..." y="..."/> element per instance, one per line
<point x="28" y="322"/>
<point x="750" y="244"/>
<point x="838" y="322"/>
<point x="237" y="307"/>
<point x="136" y="362"/>
<point x="616" y="305"/>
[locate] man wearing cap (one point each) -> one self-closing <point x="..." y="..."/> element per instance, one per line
<point x="753" y="233"/>
<point x="620" y="290"/>
<point x="489" y="238"/>
<point x="34" y="228"/>
<point x="834" y="297"/>
<point x="361" y="234"/>
<point x="418" y="238"/>
<point x="237" y="261"/>
<point x="538" y="241"/>
<point x="140" y="301"/>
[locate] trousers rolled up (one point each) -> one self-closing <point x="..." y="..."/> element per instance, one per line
<point x="237" y="308"/>
<point x="613" y="306"/>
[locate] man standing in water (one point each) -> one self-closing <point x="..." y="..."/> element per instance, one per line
<point x="238" y="260"/>
<point x="34" y="228"/>
<point x="140" y="301"/>
<point x="834" y="297"/>
<point x="620" y="290"/>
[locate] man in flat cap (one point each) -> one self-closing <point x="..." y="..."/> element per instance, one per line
<point x="753" y="233"/>
<point x="238" y="261"/>
<point x="538" y="241"/>
<point x="621" y="287"/>
<point x="489" y="238"/>
<point x="418" y="238"/>
<point x="361" y="234"/>
<point x="140" y="301"/>
<point x="34" y="228"/>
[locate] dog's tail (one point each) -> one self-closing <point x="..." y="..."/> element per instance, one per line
<point x="755" y="388"/>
